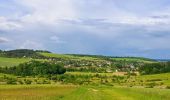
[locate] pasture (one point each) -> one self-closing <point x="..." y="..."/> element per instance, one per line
<point x="65" y="56"/>
<point x="34" y="92"/>
<point x="9" y="62"/>
<point x="133" y="60"/>
<point x="12" y="61"/>
<point x="70" y="92"/>
<point x="96" y="86"/>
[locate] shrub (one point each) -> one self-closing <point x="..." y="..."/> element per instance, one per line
<point x="28" y="81"/>
<point x="11" y="81"/>
<point x="20" y="82"/>
<point x="150" y="85"/>
<point x="167" y="87"/>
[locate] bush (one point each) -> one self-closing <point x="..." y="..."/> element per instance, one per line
<point x="167" y="87"/>
<point x="20" y="82"/>
<point x="45" y="82"/>
<point x="28" y="81"/>
<point x="150" y="80"/>
<point x="11" y="81"/>
<point x="150" y="85"/>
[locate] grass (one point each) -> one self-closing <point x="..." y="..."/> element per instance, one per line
<point x="88" y="92"/>
<point x="64" y="56"/>
<point x="133" y="59"/>
<point x="56" y="55"/>
<point x="34" y="92"/>
<point x="12" y="61"/>
<point x="164" y="78"/>
<point x="117" y="93"/>
<point x="70" y="92"/>
<point x="88" y="73"/>
<point x="8" y="62"/>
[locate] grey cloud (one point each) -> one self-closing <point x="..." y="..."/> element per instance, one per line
<point x="3" y="40"/>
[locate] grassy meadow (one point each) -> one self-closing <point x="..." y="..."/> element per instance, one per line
<point x="65" y="56"/>
<point x="133" y="59"/>
<point x="131" y="90"/>
<point x="12" y="61"/>
<point x="70" y="92"/>
<point x="70" y="86"/>
<point x="8" y="62"/>
<point x="34" y="92"/>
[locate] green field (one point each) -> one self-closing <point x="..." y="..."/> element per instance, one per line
<point x="15" y="61"/>
<point x="12" y="61"/>
<point x="133" y="59"/>
<point x="64" y="56"/>
<point x="97" y="86"/>
<point x="57" y="91"/>
<point x="8" y="62"/>
<point x="34" y="92"/>
<point x="70" y="92"/>
<point x="56" y="55"/>
<point x="157" y="78"/>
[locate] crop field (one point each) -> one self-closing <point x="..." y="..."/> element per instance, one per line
<point x="157" y="78"/>
<point x="56" y="55"/>
<point x="34" y="92"/>
<point x="8" y="62"/>
<point x="67" y="56"/>
<point x="70" y="92"/>
<point x="132" y="59"/>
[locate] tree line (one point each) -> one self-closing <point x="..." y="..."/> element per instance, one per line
<point x="34" y="68"/>
<point x="155" y="68"/>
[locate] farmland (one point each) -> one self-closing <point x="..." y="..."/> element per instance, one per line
<point x="65" y="92"/>
<point x="34" y="92"/>
<point x="49" y="76"/>
<point x="12" y="61"/>
<point x="66" y="56"/>
<point x="8" y="62"/>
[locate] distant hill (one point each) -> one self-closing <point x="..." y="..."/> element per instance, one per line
<point x="162" y="60"/>
<point x="73" y="62"/>
<point x="22" y="53"/>
<point x="114" y="57"/>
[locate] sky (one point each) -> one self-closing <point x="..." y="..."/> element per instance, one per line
<point x="102" y="27"/>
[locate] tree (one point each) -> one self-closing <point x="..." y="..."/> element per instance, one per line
<point x="35" y="68"/>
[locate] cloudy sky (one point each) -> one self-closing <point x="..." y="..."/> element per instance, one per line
<point x="105" y="27"/>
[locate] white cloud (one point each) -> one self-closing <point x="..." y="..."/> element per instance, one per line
<point x="6" y="24"/>
<point x="28" y="44"/>
<point x="122" y="25"/>
<point x="53" y="11"/>
<point x="56" y="39"/>
<point x="3" y="40"/>
<point x="47" y="11"/>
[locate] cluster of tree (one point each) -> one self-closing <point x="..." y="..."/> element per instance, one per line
<point x="42" y="51"/>
<point x="35" y="68"/>
<point x="155" y="68"/>
<point x="20" y="53"/>
<point x="86" y="79"/>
